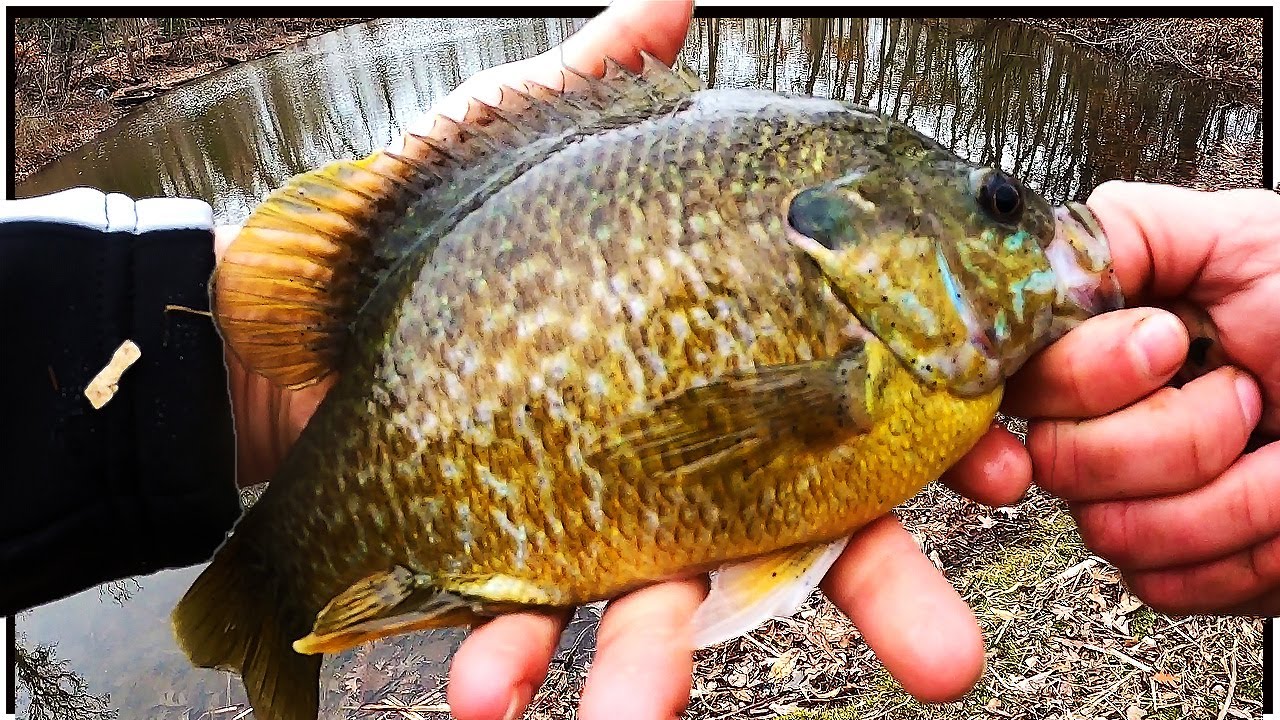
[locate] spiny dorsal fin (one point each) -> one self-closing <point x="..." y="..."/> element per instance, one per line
<point x="307" y="259"/>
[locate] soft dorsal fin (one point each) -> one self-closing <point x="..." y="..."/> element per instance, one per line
<point x="307" y="259"/>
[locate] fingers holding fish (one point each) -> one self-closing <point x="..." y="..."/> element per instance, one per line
<point x="914" y="620"/>
<point x="501" y="664"/>
<point x="1212" y="250"/>
<point x="1105" y="364"/>
<point x="622" y="32"/>
<point x="1230" y="512"/>
<point x="1188" y="436"/>
<point x="1243" y="583"/>
<point x="643" y="667"/>
<point x="1229" y="563"/>
<point x="997" y="471"/>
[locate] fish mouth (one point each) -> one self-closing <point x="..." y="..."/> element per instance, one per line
<point x="1081" y="260"/>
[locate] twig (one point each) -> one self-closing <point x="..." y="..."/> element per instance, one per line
<point x="104" y="385"/>
<point x="1107" y="693"/>
<point x="1231" y="690"/>
<point x="184" y="308"/>
<point x="760" y="645"/>
<point x="1117" y="654"/>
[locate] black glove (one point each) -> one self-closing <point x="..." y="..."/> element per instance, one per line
<point x="147" y="481"/>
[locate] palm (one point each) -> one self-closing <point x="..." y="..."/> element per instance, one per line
<point x="1229" y="268"/>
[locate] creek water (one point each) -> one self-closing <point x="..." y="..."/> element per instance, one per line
<point x="1062" y="119"/>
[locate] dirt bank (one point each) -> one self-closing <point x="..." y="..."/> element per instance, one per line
<point x="74" y="77"/>
<point x="1225" y="50"/>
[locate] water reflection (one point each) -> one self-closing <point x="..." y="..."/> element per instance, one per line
<point x="992" y="91"/>
<point x="233" y="137"/>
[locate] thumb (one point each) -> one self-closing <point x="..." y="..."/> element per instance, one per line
<point x="1163" y="237"/>
<point x="1106" y="363"/>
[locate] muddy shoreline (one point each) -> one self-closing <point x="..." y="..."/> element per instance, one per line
<point x="48" y="124"/>
<point x="1220" y="50"/>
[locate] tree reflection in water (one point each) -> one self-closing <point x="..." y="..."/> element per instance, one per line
<point x="1061" y="118"/>
<point x="48" y="689"/>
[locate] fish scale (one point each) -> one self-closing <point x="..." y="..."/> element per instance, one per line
<point x="607" y="347"/>
<point x="605" y="567"/>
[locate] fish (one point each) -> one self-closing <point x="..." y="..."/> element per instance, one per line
<point x="592" y="338"/>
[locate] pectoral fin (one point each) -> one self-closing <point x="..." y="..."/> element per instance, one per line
<point x="747" y="594"/>
<point x="387" y="603"/>
<point x="740" y="422"/>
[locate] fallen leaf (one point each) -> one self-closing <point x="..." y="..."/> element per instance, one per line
<point x="784" y="665"/>
<point x="1165" y="678"/>
<point x="1128" y="604"/>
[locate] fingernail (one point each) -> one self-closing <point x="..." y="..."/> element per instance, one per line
<point x="519" y="700"/>
<point x="1250" y="399"/>
<point x="1157" y="345"/>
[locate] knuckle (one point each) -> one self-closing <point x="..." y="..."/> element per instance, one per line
<point x="1108" y="529"/>
<point x="1164" y="592"/>
<point x="1080" y="386"/>
<point x="1056" y="454"/>
<point x="1215" y="443"/>
<point x="1252" y="508"/>
<point x="1261" y="566"/>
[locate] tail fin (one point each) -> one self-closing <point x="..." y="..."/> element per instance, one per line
<point x="234" y="617"/>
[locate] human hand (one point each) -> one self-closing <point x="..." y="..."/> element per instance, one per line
<point x="910" y="615"/>
<point x="267" y="418"/>
<point x="1158" y="478"/>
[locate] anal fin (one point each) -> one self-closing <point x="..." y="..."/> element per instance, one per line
<point x="383" y="604"/>
<point x="745" y="595"/>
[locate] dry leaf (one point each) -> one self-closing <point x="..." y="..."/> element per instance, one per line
<point x="784" y="665"/>
<point x="1128" y="604"/>
<point x="1165" y="678"/>
<point x="104" y="385"/>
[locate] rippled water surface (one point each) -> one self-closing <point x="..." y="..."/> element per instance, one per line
<point x="992" y="91"/>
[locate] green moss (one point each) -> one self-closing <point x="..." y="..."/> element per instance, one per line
<point x="1142" y="621"/>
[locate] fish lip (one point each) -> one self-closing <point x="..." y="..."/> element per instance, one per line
<point x="1081" y="259"/>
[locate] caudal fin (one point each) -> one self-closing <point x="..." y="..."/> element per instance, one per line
<point x="234" y="618"/>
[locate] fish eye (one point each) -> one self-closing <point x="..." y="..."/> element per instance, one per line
<point x="816" y="213"/>
<point x="1000" y="197"/>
